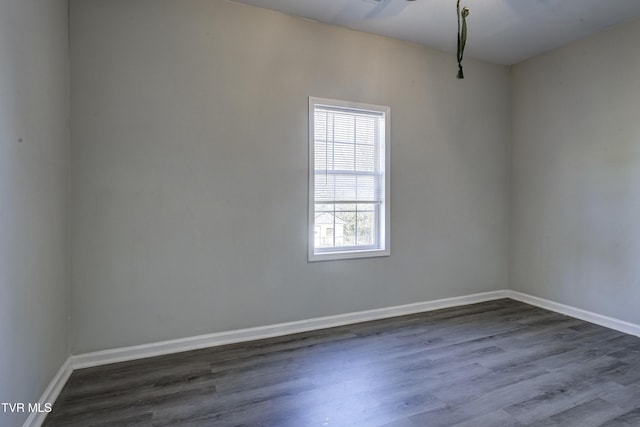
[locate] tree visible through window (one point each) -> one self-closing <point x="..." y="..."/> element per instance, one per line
<point x="349" y="160"/>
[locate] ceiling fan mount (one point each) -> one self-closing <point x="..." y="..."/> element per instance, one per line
<point x="461" y="13"/>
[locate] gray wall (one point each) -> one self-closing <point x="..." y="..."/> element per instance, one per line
<point x="576" y="174"/>
<point x="34" y="151"/>
<point x="189" y="170"/>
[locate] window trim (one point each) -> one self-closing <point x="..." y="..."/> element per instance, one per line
<point x="384" y="213"/>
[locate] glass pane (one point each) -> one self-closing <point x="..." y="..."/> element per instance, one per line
<point x="366" y="187"/>
<point x="366" y="207"/>
<point x="365" y="130"/>
<point x="323" y="155"/>
<point x="343" y="130"/>
<point x="366" y="227"/>
<point x="323" y="222"/>
<point x="346" y="224"/>
<point x="345" y="187"/>
<point x="324" y="187"/>
<point x="344" y="157"/>
<point x="325" y="207"/>
<point x="320" y="120"/>
<point x="365" y="158"/>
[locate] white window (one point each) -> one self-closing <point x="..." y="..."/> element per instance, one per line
<point x="348" y="180"/>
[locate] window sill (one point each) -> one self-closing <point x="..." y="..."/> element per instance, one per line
<point x="329" y="256"/>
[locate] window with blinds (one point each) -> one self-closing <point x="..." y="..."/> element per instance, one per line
<point x="348" y="179"/>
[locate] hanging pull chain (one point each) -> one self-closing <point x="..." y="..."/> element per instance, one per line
<point x="462" y="36"/>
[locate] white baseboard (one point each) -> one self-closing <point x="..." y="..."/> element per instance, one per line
<point x="221" y="338"/>
<point x="50" y="394"/>
<point x="578" y="313"/>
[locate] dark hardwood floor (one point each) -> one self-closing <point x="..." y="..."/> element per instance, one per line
<point x="500" y="363"/>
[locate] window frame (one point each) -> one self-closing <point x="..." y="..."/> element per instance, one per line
<point x="382" y="246"/>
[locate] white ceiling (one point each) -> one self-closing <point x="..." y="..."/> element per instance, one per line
<point x="500" y="31"/>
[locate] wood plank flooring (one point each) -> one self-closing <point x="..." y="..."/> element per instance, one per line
<point x="499" y="363"/>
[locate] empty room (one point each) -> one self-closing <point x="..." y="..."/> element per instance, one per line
<point x="398" y="213"/>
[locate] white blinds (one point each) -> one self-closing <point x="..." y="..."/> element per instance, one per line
<point x="349" y="155"/>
